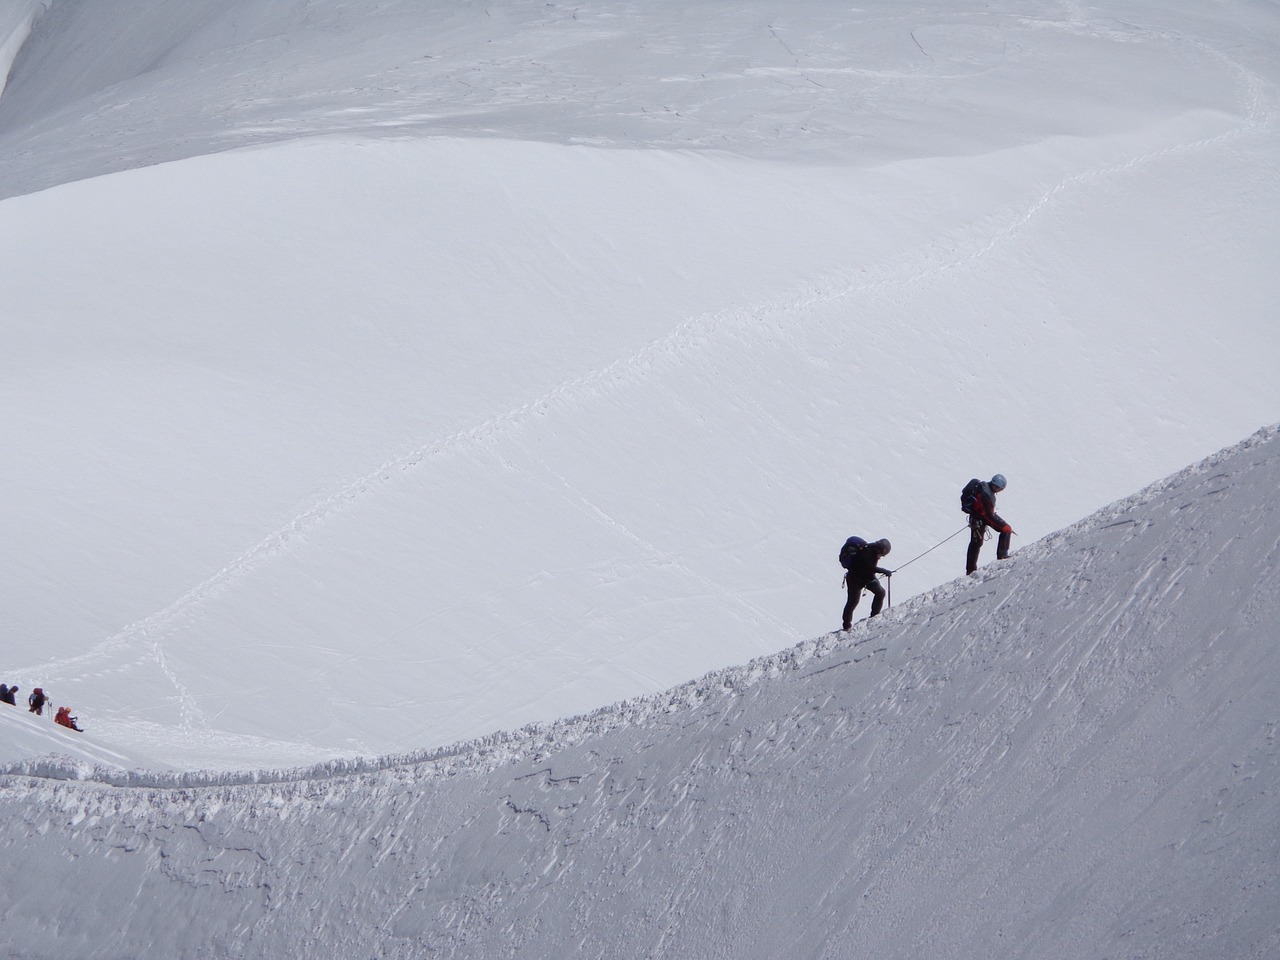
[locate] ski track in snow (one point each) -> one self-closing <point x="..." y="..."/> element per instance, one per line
<point x="758" y="321"/>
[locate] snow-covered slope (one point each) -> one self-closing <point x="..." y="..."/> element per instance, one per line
<point x="26" y="735"/>
<point x="364" y="389"/>
<point x="1073" y="754"/>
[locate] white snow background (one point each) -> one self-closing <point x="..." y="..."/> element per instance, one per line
<point x="376" y="376"/>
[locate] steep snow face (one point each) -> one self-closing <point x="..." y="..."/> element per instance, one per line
<point x="348" y="445"/>
<point x="1072" y="754"/>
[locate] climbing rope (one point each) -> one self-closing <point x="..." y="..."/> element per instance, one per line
<point x="933" y="548"/>
<point x="888" y="581"/>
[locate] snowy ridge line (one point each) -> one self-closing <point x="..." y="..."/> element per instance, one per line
<point x="1106" y="516"/>
<point x="693" y="332"/>
<point x="469" y="756"/>
<point x="532" y="741"/>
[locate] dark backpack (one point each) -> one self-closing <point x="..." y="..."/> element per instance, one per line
<point x="852" y="547"/>
<point x="969" y="495"/>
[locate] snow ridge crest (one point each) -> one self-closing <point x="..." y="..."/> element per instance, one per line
<point x="533" y="741"/>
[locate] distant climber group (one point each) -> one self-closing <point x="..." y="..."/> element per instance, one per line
<point x="861" y="558"/>
<point x="36" y="703"/>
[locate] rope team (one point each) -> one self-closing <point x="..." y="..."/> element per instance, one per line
<point x="861" y="559"/>
<point x="36" y="703"/>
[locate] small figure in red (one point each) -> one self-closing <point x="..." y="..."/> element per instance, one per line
<point x="65" y="718"/>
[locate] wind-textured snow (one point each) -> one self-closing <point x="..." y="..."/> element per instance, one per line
<point x="377" y="376"/>
<point x="1073" y="754"/>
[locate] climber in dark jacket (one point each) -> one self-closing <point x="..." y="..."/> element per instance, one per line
<point x="861" y="576"/>
<point x="982" y="514"/>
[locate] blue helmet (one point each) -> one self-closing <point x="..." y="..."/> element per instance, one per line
<point x="998" y="482"/>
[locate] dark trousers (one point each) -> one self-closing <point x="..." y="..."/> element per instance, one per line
<point x="977" y="533"/>
<point x="855" y="592"/>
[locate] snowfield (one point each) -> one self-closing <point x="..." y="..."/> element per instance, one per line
<point x="384" y="382"/>
<point x="381" y="375"/>
<point x="1073" y="753"/>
